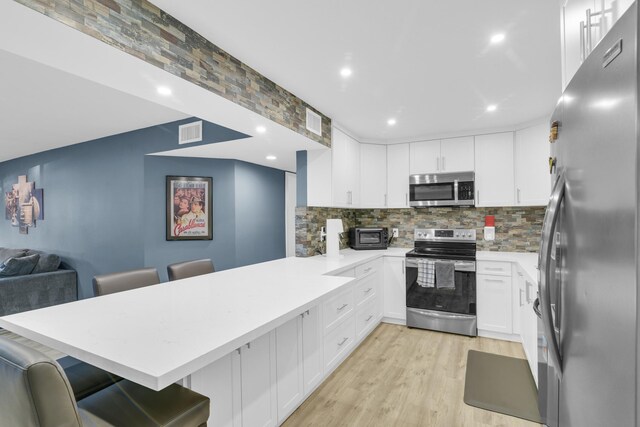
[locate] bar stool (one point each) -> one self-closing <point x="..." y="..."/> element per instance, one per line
<point x="183" y="270"/>
<point x="124" y="281"/>
<point x="36" y="392"/>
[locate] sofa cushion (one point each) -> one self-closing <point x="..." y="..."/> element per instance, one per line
<point x="6" y="253"/>
<point x="47" y="262"/>
<point x="19" y="266"/>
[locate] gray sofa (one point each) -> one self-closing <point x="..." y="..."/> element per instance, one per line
<point x="42" y="288"/>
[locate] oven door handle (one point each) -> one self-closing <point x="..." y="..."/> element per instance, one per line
<point x="458" y="266"/>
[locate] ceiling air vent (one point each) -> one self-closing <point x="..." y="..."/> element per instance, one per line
<point x="314" y="122"/>
<point x="191" y="132"/>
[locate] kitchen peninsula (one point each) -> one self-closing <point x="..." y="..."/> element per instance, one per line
<point x="300" y="316"/>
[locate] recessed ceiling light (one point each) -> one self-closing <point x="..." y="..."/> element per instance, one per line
<point x="271" y="157"/>
<point x="492" y="108"/>
<point x="497" y="38"/>
<point x="391" y="122"/>
<point x="345" y="72"/>
<point x="164" y="91"/>
<point x="261" y="129"/>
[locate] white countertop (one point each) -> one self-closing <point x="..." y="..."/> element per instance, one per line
<point x="527" y="260"/>
<point x="160" y="334"/>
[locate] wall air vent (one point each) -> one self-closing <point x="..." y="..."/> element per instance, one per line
<point x="314" y="122"/>
<point x="191" y="132"/>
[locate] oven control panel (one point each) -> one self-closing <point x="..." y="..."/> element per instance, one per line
<point x="439" y="234"/>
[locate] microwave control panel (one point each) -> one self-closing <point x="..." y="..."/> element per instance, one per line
<point x="465" y="190"/>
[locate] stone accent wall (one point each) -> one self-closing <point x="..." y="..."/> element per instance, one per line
<point x="517" y="229"/>
<point x="146" y="32"/>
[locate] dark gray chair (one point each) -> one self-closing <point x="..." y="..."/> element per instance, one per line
<point x="124" y="281"/>
<point x="36" y="392"/>
<point x="183" y="270"/>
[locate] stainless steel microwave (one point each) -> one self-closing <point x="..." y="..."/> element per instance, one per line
<point x="442" y="189"/>
<point x="369" y="238"/>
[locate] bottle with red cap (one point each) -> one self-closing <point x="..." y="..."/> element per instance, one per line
<point x="489" y="227"/>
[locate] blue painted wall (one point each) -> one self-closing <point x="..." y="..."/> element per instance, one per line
<point x="104" y="203"/>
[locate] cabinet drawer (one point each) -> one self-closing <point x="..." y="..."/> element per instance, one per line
<point x="366" y="288"/>
<point x="366" y="317"/>
<point x="367" y="268"/>
<point x="495" y="268"/>
<point x="338" y="307"/>
<point x="338" y="342"/>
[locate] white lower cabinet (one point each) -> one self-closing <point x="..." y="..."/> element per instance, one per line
<point x="395" y="293"/>
<point x="220" y="381"/>
<point x="338" y="342"/>
<point x="258" y="374"/>
<point x="289" y="366"/>
<point x="241" y="385"/>
<point x="313" y="368"/>
<point x="494" y="303"/>
<point x="366" y="318"/>
<point x="528" y="323"/>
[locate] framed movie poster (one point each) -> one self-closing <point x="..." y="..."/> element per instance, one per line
<point x="189" y="208"/>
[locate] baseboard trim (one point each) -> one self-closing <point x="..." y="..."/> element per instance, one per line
<point x="394" y="321"/>
<point x="499" y="336"/>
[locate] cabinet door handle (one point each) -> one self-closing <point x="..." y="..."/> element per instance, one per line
<point x="494" y="280"/>
<point x="437" y="163"/>
<point x="494" y="268"/>
<point x="478" y="197"/>
<point x="366" y="270"/>
<point x="343" y="306"/>
<point x="518" y="195"/>
<point x="444" y="164"/>
<point x="521" y="292"/>
<point x="368" y="290"/>
<point x="588" y="25"/>
<point x="344" y="340"/>
<point x="406" y="198"/>
<point x="385" y="200"/>
<point x="582" y="44"/>
<point x="369" y="318"/>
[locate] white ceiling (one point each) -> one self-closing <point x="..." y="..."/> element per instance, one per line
<point x="427" y="63"/>
<point x="44" y="108"/>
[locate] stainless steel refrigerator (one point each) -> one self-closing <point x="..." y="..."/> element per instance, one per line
<point x="588" y="343"/>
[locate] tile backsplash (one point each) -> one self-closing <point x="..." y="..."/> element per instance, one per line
<point x="517" y="228"/>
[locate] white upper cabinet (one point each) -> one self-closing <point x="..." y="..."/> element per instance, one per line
<point x="398" y="176"/>
<point x="456" y="154"/>
<point x="494" y="169"/>
<point x="424" y="157"/>
<point x="583" y="25"/>
<point x="319" y="178"/>
<point x="533" y="182"/>
<point x="373" y="176"/>
<point x="346" y="170"/>
<point x="437" y="156"/>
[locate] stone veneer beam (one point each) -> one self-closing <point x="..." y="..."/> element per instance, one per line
<point x="146" y="32"/>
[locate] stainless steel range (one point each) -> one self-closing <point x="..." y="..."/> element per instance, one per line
<point x="441" y="281"/>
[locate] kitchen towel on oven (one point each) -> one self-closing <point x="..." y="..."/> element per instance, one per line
<point x="445" y="274"/>
<point x="426" y="273"/>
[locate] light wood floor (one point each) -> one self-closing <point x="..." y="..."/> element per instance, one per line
<point x="404" y="377"/>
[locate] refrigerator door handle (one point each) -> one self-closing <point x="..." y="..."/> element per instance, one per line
<point x="544" y="260"/>
<point x="536" y="308"/>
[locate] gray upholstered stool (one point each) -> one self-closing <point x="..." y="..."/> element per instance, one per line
<point x="183" y="270"/>
<point x="124" y="281"/>
<point x="36" y="392"/>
